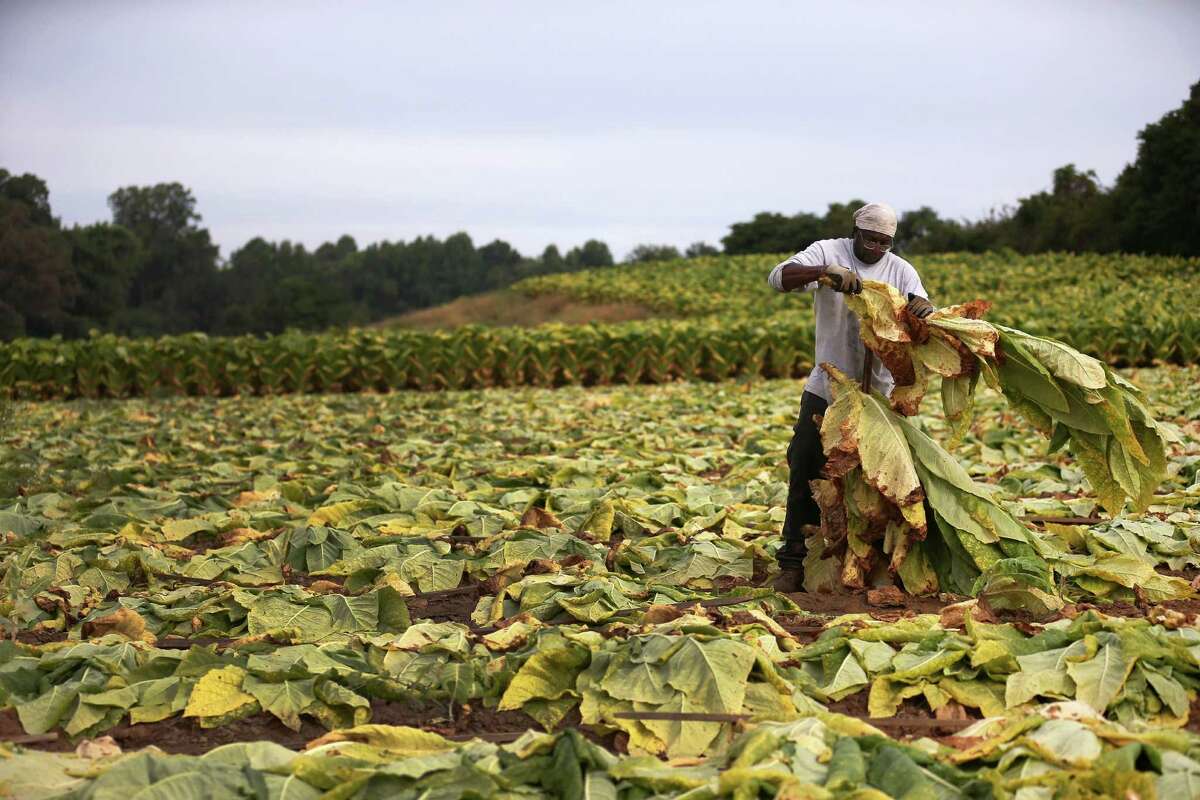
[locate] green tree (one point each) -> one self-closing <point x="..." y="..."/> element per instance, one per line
<point x="652" y="252"/>
<point x="838" y="221"/>
<point x="770" y="232"/>
<point x="923" y="231"/>
<point x="500" y="263"/>
<point x="339" y="251"/>
<point x="1157" y="197"/>
<point x="105" y="259"/>
<point x="593" y="253"/>
<point x="460" y="267"/>
<point x="272" y="287"/>
<point x="37" y="284"/>
<point x="176" y="288"/>
<point x="1073" y="215"/>
<point x="30" y="191"/>
<point x="698" y="249"/>
<point x="552" y="260"/>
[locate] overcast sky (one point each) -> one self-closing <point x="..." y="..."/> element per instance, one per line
<point x="541" y="122"/>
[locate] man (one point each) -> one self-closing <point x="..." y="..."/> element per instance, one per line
<point x="866" y="255"/>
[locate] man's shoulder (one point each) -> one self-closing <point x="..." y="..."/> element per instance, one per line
<point x="902" y="264"/>
<point x="831" y="246"/>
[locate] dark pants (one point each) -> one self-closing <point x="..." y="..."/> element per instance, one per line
<point x="805" y="458"/>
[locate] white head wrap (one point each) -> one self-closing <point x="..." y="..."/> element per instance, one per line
<point x="878" y="217"/>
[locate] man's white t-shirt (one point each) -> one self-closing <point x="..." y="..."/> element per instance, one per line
<point x="837" y="326"/>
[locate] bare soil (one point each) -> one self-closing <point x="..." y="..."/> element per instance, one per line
<point x="860" y="603"/>
<point x="913" y="720"/>
<point x="180" y="735"/>
<point x="444" y="608"/>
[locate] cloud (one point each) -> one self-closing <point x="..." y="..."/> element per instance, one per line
<point x="622" y="121"/>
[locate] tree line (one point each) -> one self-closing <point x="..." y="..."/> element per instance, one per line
<point x="1153" y="207"/>
<point x="153" y="269"/>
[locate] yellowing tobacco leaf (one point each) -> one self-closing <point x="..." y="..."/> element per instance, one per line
<point x="219" y="693"/>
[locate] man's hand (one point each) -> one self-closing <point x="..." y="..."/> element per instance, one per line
<point x="844" y="280"/>
<point x="919" y="306"/>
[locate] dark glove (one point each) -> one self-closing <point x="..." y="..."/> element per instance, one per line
<point x="844" y="280"/>
<point x="919" y="306"/>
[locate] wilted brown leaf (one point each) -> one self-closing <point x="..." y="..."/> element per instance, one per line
<point x="124" y="621"/>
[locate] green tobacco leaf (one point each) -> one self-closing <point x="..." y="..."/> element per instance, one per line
<point x="1060" y="360"/>
<point x="711" y="674"/>
<point x="1170" y="691"/>
<point x="1098" y="680"/>
<point x="917" y="572"/>
<point x="1065" y="742"/>
<point x="847" y="679"/>
<point x="599" y="523"/>
<point x="598" y="786"/>
<point x="985" y="695"/>
<point x="546" y="675"/>
<point x="287" y="700"/>
<point x="1018" y="583"/>
<point x="276" y="613"/>
<point x="886" y="695"/>
<point x="1024" y="686"/>
<point x="158" y="699"/>
<point x="910" y="666"/>
<point x="336" y="513"/>
<point x="396" y="739"/>
<point x="877" y="439"/>
<point x="874" y="656"/>
<point x="44" y="713"/>
<point x="352" y="614"/>
<point x="638" y="681"/>
<point x="847" y="767"/>
<point x="958" y="403"/>
<point x="179" y="529"/>
<point x="35" y="775"/>
<point x="684" y="738"/>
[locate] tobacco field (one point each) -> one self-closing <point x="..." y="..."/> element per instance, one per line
<point x="719" y="321"/>
<point x="555" y="593"/>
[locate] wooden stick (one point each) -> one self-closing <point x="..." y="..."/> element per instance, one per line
<point x="682" y="716"/>
<point x="497" y="737"/>
<point x="878" y="722"/>
<point x="33" y="738"/>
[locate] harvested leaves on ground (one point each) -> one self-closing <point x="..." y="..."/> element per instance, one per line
<point x="308" y="536"/>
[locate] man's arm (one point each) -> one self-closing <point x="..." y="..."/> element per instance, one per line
<point x="804" y="268"/>
<point x="796" y="276"/>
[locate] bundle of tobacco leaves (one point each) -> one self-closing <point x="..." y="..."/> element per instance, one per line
<point x="1070" y="397"/>
<point x="896" y="507"/>
<point x="894" y="502"/>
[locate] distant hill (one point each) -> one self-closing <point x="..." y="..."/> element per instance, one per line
<point x="508" y="307"/>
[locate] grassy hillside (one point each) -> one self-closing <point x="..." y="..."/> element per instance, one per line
<point x="1140" y="301"/>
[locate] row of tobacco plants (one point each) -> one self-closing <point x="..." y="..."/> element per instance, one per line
<point x="726" y="323"/>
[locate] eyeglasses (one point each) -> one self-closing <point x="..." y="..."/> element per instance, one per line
<point x="877" y="246"/>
